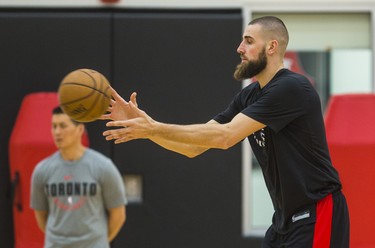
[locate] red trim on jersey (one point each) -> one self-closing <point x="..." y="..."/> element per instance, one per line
<point x="323" y="224"/>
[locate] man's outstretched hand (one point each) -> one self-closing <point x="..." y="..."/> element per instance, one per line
<point x="128" y="120"/>
<point x="119" y="109"/>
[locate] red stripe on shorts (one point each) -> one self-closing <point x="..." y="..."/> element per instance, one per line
<point x="323" y="224"/>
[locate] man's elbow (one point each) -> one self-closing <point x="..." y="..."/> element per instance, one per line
<point x="192" y="155"/>
<point x="225" y="142"/>
<point x="195" y="152"/>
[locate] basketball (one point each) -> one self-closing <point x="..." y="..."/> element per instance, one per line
<point x="84" y="95"/>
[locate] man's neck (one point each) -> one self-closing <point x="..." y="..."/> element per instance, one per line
<point x="73" y="153"/>
<point x="267" y="74"/>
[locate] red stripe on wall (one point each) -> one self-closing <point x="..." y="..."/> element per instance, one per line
<point x="323" y="224"/>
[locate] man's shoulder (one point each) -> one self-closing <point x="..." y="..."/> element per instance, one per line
<point x="291" y="77"/>
<point x="97" y="158"/>
<point x="50" y="159"/>
<point x="95" y="154"/>
<point x="289" y="82"/>
<point x="46" y="164"/>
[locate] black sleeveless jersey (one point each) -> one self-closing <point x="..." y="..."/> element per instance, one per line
<point x="292" y="149"/>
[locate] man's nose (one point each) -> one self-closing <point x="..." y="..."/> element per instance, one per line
<point x="240" y="49"/>
<point x="56" y="130"/>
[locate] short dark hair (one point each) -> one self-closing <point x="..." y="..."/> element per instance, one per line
<point x="275" y="26"/>
<point x="58" y="111"/>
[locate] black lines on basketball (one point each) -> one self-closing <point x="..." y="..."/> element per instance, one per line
<point x="83" y="95"/>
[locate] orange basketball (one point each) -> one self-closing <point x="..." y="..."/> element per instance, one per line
<point x="84" y="95"/>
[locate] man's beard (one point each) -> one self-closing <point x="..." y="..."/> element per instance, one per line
<point x="250" y="68"/>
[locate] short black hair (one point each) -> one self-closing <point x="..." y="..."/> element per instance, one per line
<point x="275" y="26"/>
<point x="58" y="110"/>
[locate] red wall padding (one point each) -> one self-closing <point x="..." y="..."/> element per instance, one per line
<point x="30" y="142"/>
<point x="350" y="124"/>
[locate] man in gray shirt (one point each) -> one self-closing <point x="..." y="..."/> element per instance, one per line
<point x="77" y="194"/>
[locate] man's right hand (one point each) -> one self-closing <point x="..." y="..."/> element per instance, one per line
<point x="119" y="109"/>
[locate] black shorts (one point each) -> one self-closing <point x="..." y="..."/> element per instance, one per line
<point x="330" y="228"/>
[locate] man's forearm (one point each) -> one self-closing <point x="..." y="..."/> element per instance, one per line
<point x="172" y="136"/>
<point x="181" y="148"/>
<point x="190" y="137"/>
<point x="208" y="135"/>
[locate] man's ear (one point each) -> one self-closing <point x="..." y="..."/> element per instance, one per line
<point x="272" y="46"/>
<point x="81" y="128"/>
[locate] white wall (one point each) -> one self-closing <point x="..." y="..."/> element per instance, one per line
<point x="326" y="31"/>
<point x="351" y="71"/>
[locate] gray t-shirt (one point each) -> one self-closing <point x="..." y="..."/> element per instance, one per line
<point x="76" y="195"/>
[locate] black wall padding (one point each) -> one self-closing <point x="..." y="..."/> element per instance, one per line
<point x="181" y="64"/>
